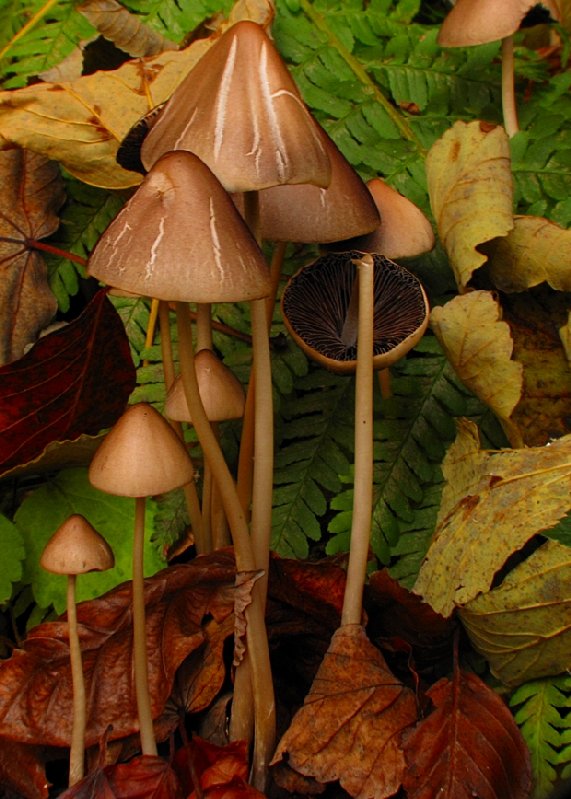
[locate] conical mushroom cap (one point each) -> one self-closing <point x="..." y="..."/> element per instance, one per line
<point x="239" y="110"/>
<point x="220" y="390"/>
<point x="180" y="238"/>
<point x="76" y="548"/>
<point x="141" y="456"/>
<point x="479" y="21"/>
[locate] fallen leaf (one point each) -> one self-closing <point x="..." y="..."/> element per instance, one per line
<point x="37" y="678"/>
<point x="32" y="193"/>
<point x="124" y="29"/>
<point x="22" y="770"/>
<point x="245" y="582"/>
<point x="479" y="346"/>
<point x="145" y="777"/>
<point x="471" y="194"/>
<point x="536" y="250"/>
<point x="514" y="495"/>
<point x="212" y="765"/>
<point x="523" y="627"/>
<point x="55" y="392"/>
<point x="349" y="726"/>
<point x="468" y="746"/>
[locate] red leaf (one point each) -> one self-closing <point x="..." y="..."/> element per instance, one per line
<point x="22" y="770"/>
<point x="145" y="777"/>
<point x="221" y="770"/>
<point x="469" y="746"/>
<point x="61" y="388"/>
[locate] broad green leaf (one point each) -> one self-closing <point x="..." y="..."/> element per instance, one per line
<point x="470" y="187"/>
<point x="13" y="554"/>
<point x="479" y="347"/>
<point x="513" y="496"/>
<point x="41" y="513"/>
<point x="523" y="627"/>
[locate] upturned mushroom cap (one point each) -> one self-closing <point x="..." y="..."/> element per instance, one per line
<point x="76" y="548"/>
<point x="220" y="390"/>
<point x="316" y="308"/>
<point x="181" y="238"/>
<point x="239" y="110"/>
<point x="479" y="21"/>
<point x="141" y="456"/>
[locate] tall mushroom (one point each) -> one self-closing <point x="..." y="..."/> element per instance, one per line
<point x="76" y="548"/>
<point x="141" y="456"/>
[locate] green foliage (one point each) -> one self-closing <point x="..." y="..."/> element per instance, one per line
<point x="543" y="712"/>
<point x="12" y="556"/>
<point x="176" y="18"/>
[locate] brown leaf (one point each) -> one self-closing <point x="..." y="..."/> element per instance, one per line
<point x="349" y="726"/>
<point x="210" y="764"/>
<point x="145" y="777"/>
<point x="37" y="679"/>
<point x="244" y="586"/>
<point x="468" y="746"/>
<point x="22" y="769"/>
<point x="124" y="29"/>
<point x="32" y="193"/>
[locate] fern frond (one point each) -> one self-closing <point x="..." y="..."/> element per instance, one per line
<point x="176" y="18"/>
<point x="542" y="710"/>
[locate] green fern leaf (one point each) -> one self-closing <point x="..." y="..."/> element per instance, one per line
<point x="176" y="18"/>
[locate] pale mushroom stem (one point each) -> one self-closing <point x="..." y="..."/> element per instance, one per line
<point x="144" y="710"/>
<point x="363" y="481"/>
<point x="203" y="326"/>
<point x="76" y="753"/>
<point x="508" y="94"/>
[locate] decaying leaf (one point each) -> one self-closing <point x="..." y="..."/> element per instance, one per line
<point x="468" y="746"/>
<point x="124" y="29"/>
<point x="470" y="187"/>
<point x="55" y="392"/>
<point x="245" y="582"/>
<point x="523" y="627"/>
<point x="349" y="726"/>
<point x="22" y="769"/>
<point x="32" y="193"/>
<point x="514" y="494"/>
<point x="536" y="250"/>
<point x="212" y="765"/>
<point x="144" y="777"/>
<point x="479" y="346"/>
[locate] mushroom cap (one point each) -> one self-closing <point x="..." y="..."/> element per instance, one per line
<point x="180" y="238"/>
<point x="220" y="390"/>
<point x="140" y="456"/>
<point x="76" y="548"/>
<point x="317" y="300"/>
<point x="479" y="21"/>
<point x="239" y="110"/>
<point x="404" y="230"/>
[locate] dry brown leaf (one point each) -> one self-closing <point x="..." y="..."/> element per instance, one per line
<point x="244" y="586"/>
<point x="514" y="495"/>
<point x="349" y="726"/>
<point x="32" y="193"/>
<point x="124" y="29"/>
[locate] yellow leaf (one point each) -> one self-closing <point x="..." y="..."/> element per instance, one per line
<point x="470" y="187"/>
<point x="479" y="347"/>
<point x="536" y="250"/>
<point x="524" y="627"/>
<point x="464" y="464"/>
<point x="514" y="494"/>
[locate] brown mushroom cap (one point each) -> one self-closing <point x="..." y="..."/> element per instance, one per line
<point x="220" y="391"/>
<point x="76" y="548"/>
<point x="180" y="238"/>
<point x="479" y="21"/>
<point x="317" y="300"/>
<point x="141" y="456"/>
<point x="239" y="110"/>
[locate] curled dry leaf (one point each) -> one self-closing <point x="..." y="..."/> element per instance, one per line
<point x="55" y="392"/>
<point x="212" y="765"/>
<point x="523" y="627"/>
<point x="37" y="678"/>
<point x="145" y="777"/>
<point x="22" y="770"/>
<point x="244" y="586"/>
<point x="513" y="495"/>
<point x="124" y="29"/>
<point x="32" y="193"/>
<point x="471" y="194"/>
<point x="479" y="346"/>
<point x="349" y="726"/>
<point x="468" y="746"/>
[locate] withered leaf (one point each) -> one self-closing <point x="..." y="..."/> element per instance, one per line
<point x="32" y="193"/>
<point x="349" y="726"/>
<point x="37" y="678"/>
<point x="145" y="777"/>
<point x="56" y="391"/>
<point x="210" y="764"/>
<point x="22" y="769"/>
<point x="124" y="29"/>
<point x="245" y="582"/>
<point x="468" y="746"/>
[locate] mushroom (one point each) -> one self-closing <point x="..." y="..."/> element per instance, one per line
<point x="141" y="456"/>
<point x="480" y="21"/>
<point x="76" y="548"/>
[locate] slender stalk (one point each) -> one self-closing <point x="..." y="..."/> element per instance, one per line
<point x="144" y="710"/>
<point x="363" y="483"/>
<point x="508" y="94"/>
<point x="203" y="326"/>
<point x="76" y="752"/>
<point x="33" y="244"/>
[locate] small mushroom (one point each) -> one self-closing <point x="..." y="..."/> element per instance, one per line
<point x="76" y="548"/>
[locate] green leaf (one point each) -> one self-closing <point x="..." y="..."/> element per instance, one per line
<point x="13" y="554"/>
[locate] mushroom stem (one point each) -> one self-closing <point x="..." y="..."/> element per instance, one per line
<point x="363" y="481"/>
<point x="203" y="326"/>
<point x="76" y="753"/>
<point x="508" y="95"/>
<point x="148" y="744"/>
